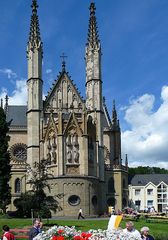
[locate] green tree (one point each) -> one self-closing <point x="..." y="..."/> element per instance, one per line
<point x="5" y="168"/>
<point x="37" y="198"/>
<point x="145" y="170"/>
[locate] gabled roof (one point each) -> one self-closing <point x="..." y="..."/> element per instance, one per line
<point x="18" y="116"/>
<point x="56" y="83"/>
<point x="144" y="179"/>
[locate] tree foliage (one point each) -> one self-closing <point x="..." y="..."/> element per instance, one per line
<point x="36" y="198"/>
<point x="145" y="170"/>
<point x="5" y="168"/>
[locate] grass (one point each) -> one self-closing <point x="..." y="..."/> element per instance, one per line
<point x="84" y="225"/>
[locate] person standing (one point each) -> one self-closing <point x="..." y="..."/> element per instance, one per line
<point x="80" y="214"/>
<point x="35" y="230"/>
<point x="145" y="234"/>
<point x="131" y="230"/>
<point x="7" y="235"/>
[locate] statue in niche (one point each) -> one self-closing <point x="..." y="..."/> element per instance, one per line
<point x="75" y="140"/>
<point x="49" y="158"/>
<point x="69" y="156"/>
<point x="54" y="145"/>
<point x="54" y="157"/>
<point x="68" y="140"/>
<point x="76" y="156"/>
<point x="49" y="144"/>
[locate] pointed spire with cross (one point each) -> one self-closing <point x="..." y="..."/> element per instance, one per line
<point x="63" y="57"/>
<point x="93" y="37"/>
<point x="34" y="6"/>
<point x="34" y="40"/>
<point x="114" y="113"/>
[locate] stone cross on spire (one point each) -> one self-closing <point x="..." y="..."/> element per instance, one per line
<point x="34" y="41"/>
<point x="34" y="5"/>
<point x="93" y="37"/>
<point x="63" y="61"/>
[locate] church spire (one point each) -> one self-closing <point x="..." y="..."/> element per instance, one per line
<point x="115" y="121"/>
<point x="34" y="86"/>
<point x="93" y="64"/>
<point x="34" y="41"/>
<point x="93" y="37"/>
<point x="114" y="113"/>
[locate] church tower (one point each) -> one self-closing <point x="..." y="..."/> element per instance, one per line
<point x="94" y="84"/>
<point x="34" y="85"/>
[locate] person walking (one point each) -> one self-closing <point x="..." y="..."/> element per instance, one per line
<point x="35" y="230"/>
<point x="7" y="235"/>
<point x="80" y="214"/>
<point x="145" y="234"/>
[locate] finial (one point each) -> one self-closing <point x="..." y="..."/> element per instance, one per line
<point x="126" y="160"/>
<point x="92" y="8"/>
<point x="113" y="104"/>
<point x="34" y="41"/>
<point x="6" y="103"/>
<point x="114" y="113"/>
<point x="93" y="38"/>
<point x="1" y="103"/>
<point x="34" y="6"/>
<point x="6" y="99"/>
<point x="63" y="61"/>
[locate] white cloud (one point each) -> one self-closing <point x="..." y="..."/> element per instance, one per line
<point x="19" y="95"/>
<point x="146" y="143"/>
<point x="3" y="93"/>
<point x="48" y="71"/>
<point x="10" y="74"/>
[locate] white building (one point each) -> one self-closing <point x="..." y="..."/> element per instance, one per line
<point x="149" y="190"/>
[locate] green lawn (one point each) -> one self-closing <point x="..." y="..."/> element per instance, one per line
<point x="84" y="225"/>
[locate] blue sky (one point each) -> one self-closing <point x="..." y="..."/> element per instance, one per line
<point x="134" y="38"/>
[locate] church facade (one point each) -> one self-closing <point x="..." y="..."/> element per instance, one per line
<point x="78" y="140"/>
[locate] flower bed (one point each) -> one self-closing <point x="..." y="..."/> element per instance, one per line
<point x="67" y="233"/>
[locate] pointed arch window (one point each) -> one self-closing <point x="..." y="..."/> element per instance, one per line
<point x="17" y="185"/>
<point x="111" y="188"/>
<point x="51" y="145"/>
<point x="72" y="149"/>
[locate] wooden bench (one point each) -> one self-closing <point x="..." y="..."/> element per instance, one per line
<point x="20" y="233"/>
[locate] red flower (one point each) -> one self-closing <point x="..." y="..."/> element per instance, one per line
<point x="54" y="238"/>
<point x="60" y="231"/>
<point x="77" y="237"/>
<point x="88" y="235"/>
<point x="60" y="238"/>
<point x="85" y="236"/>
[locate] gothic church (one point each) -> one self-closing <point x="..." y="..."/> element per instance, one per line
<point x="77" y="138"/>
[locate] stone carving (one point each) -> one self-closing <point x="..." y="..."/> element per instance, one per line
<point x="106" y="155"/>
<point x="49" y="158"/>
<point x="76" y="156"/>
<point x="52" y="150"/>
<point x="69" y="156"/>
<point x="72" y="170"/>
<point x="72" y="149"/>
